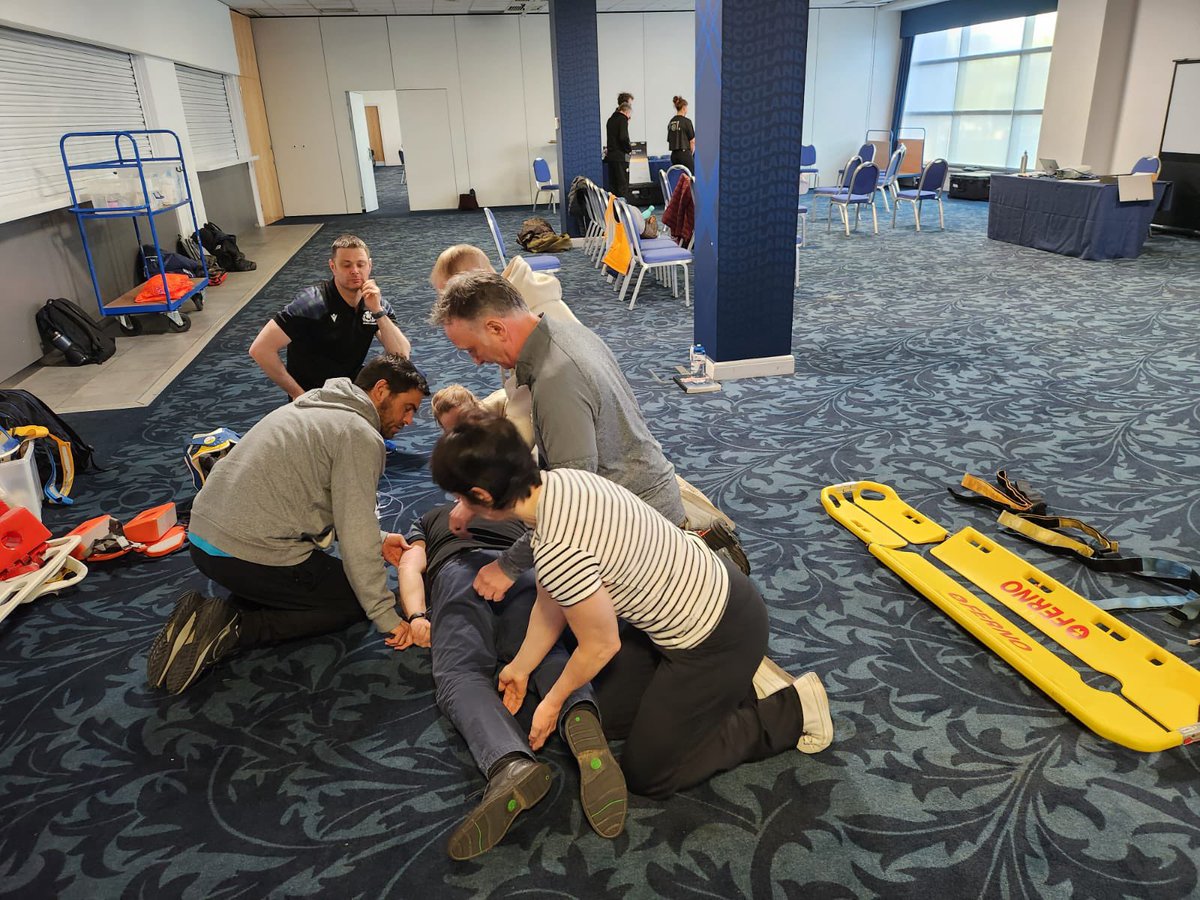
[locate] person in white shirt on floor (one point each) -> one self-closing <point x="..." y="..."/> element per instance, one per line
<point x="602" y="554"/>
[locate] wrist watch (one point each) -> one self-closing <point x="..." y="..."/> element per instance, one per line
<point x="417" y="615"/>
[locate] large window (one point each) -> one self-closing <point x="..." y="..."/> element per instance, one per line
<point x="978" y="90"/>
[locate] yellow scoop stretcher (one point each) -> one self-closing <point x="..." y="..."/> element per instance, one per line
<point x="1158" y="706"/>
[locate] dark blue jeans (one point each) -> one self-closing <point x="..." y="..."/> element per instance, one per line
<point x="472" y="640"/>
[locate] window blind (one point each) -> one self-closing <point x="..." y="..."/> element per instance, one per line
<point x="48" y="87"/>
<point x="209" y="118"/>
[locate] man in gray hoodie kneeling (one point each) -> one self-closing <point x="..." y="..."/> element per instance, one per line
<point x="305" y="475"/>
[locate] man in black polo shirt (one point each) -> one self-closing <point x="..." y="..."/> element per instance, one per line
<point x="328" y="328"/>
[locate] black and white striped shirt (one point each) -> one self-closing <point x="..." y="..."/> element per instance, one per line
<point x="662" y="580"/>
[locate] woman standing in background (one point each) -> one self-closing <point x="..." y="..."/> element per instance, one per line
<point x="681" y="137"/>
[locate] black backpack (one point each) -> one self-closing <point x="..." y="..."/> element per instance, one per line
<point x="23" y="408"/>
<point x="64" y="325"/>
<point x="224" y="247"/>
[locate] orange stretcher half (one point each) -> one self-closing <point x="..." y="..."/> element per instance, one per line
<point x="1158" y="706"/>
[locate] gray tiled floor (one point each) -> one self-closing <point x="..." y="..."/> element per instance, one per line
<point x="145" y="364"/>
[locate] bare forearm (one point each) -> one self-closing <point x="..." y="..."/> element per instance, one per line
<point x="272" y="364"/>
<point x="580" y="669"/>
<point x="412" y="590"/>
<point x="393" y="338"/>
<point x="546" y="623"/>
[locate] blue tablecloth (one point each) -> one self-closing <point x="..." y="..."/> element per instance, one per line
<point x="1073" y="218"/>
<point x="658" y="164"/>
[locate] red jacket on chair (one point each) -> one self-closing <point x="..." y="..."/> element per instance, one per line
<point x="680" y="214"/>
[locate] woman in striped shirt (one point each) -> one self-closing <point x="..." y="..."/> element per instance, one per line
<point x="602" y="554"/>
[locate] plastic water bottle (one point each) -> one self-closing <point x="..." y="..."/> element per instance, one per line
<point x="1024" y="161"/>
<point x="697" y="361"/>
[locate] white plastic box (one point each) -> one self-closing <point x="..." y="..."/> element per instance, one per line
<point x="19" y="482"/>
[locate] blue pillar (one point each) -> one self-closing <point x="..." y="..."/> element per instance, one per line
<point x="749" y="111"/>
<point x="575" y="60"/>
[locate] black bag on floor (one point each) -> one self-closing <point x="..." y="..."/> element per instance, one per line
<point x="23" y="408"/>
<point x="64" y="325"/>
<point x="224" y="247"/>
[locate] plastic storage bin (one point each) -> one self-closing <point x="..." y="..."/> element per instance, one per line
<point x="19" y="482"/>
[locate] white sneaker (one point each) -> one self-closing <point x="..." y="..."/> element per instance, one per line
<point x="818" y="725"/>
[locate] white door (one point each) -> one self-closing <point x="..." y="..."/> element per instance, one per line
<point x="362" y="151"/>
<point x="428" y="151"/>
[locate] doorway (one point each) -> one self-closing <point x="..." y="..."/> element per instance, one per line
<point x="362" y="150"/>
<point x="387" y="150"/>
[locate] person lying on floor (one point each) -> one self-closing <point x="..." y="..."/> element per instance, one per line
<point x="471" y="639"/>
<point x="602" y="554"/>
<point x="303" y="476"/>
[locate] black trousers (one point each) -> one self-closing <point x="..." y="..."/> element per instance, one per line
<point x="618" y="177"/>
<point x="683" y="158"/>
<point x="692" y="713"/>
<point x="281" y="603"/>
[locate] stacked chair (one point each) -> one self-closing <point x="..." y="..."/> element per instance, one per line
<point x="661" y="256"/>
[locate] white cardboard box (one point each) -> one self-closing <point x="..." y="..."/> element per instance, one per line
<point x="19" y="482"/>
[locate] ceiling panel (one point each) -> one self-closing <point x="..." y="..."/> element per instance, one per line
<point x="492" y="7"/>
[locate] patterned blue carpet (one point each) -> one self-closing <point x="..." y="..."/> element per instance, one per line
<point x="323" y="768"/>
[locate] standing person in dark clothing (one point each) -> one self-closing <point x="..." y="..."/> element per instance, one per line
<point x="681" y="137"/>
<point x="617" y="149"/>
<point x="328" y="328"/>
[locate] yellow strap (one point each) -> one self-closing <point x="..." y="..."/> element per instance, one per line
<point x="984" y="489"/>
<point x="66" y="458"/>
<point x="1044" y="535"/>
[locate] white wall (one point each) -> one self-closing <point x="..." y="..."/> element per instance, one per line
<point x="389" y="124"/>
<point x="194" y="32"/>
<point x="850" y="81"/>
<point x="1084" y="85"/>
<point x="1163" y="31"/>
<point x="496" y="73"/>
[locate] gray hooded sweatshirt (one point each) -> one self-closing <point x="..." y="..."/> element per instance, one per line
<point x="304" y="475"/>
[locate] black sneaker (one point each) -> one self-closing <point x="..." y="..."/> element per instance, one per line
<point x="721" y="537"/>
<point x="518" y="786"/>
<point x="212" y="635"/>
<point x="173" y="635"/>
<point x="601" y="782"/>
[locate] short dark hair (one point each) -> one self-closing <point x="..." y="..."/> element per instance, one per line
<point x="623" y="97"/>
<point x="400" y="374"/>
<point x="472" y="295"/>
<point x="484" y="450"/>
<point x="347" y="242"/>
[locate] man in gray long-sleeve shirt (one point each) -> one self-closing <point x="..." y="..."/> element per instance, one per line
<point x="305" y="475"/>
<point x="584" y="413"/>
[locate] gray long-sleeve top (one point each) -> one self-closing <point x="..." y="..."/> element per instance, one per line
<point x="586" y="417"/>
<point x="306" y="473"/>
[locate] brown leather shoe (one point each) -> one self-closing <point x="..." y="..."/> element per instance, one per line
<point x="518" y="786"/>
<point x="601" y="781"/>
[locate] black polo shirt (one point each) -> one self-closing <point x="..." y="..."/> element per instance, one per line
<point x="329" y="339"/>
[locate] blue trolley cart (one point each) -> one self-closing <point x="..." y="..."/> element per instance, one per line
<point x="142" y="200"/>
